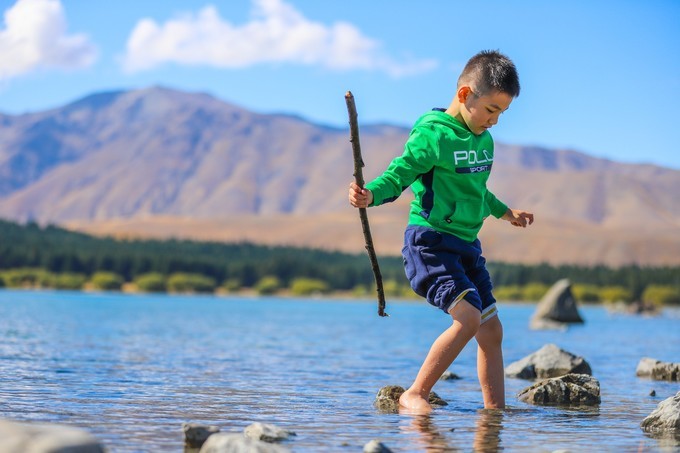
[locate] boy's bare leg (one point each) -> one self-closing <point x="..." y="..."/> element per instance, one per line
<point x="443" y="352"/>
<point x="490" y="363"/>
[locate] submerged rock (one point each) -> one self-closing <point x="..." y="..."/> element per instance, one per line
<point x="238" y="443"/>
<point x="664" y="421"/>
<point x="267" y="433"/>
<point x="557" y="308"/>
<point x="571" y="389"/>
<point x="196" y="434"/>
<point x="549" y="361"/>
<point x="658" y="370"/>
<point x="449" y="376"/>
<point x="376" y="446"/>
<point x="46" y="438"/>
<point x="387" y="399"/>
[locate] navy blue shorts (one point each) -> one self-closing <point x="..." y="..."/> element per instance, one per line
<point x="445" y="269"/>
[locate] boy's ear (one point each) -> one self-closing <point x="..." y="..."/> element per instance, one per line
<point x="463" y="93"/>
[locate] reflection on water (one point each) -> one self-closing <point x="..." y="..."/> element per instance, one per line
<point x="488" y="433"/>
<point x="132" y="369"/>
<point x="428" y="436"/>
<point x="433" y="438"/>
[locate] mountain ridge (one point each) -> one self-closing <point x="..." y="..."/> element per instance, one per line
<point x="111" y="161"/>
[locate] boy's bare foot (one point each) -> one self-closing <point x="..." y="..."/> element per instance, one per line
<point x="414" y="403"/>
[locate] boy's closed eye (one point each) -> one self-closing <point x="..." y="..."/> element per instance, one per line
<point x="493" y="108"/>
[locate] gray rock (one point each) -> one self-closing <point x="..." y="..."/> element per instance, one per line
<point x="556" y="308"/>
<point x="238" y="443"/>
<point x="549" y="361"/>
<point x="664" y="421"/>
<point x="658" y="370"/>
<point x="376" y="446"/>
<point x="196" y="434"/>
<point x="637" y="308"/>
<point x="387" y="399"/>
<point x="266" y="432"/>
<point x="449" y="376"/>
<point x="46" y="438"/>
<point x="571" y="389"/>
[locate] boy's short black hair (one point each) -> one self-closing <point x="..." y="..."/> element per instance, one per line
<point x="490" y="71"/>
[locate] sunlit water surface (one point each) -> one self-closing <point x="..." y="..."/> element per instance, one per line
<point x="132" y="368"/>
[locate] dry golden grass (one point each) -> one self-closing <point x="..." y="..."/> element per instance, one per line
<point x="547" y="241"/>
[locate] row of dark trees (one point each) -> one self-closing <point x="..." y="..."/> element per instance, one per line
<point x="61" y="251"/>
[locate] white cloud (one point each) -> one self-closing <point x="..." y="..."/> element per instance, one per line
<point x="34" y="36"/>
<point x="277" y="32"/>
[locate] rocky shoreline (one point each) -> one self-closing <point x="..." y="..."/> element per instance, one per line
<point x="569" y="390"/>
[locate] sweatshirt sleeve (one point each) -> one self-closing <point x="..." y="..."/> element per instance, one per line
<point x="496" y="206"/>
<point x="421" y="152"/>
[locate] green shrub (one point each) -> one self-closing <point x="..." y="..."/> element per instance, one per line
<point x="231" y="285"/>
<point x="153" y="282"/>
<point x="586" y="293"/>
<point x="268" y="285"/>
<point x="181" y="282"/>
<point x="306" y="286"/>
<point x="360" y="291"/>
<point x="661" y="295"/>
<point x="69" y="280"/>
<point x="107" y="281"/>
<point x="28" y="278"/>
<point x="392" y="288"/>
<point x="407" y="292"/>
<point x="2" y="281"/>
<point x="534" y="291"/>
<point x="615" y="294"/>
<point x="509" y="293"/>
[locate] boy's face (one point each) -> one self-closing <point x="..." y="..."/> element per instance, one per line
<point x="481" y="112"/>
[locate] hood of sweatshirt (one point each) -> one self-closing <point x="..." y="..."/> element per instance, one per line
<point x="439" y="116"/>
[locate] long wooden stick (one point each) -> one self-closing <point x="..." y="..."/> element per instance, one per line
<point x="359" y="179"/>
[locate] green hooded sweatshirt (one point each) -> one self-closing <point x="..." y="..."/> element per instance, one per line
<point x="447" y="167"/>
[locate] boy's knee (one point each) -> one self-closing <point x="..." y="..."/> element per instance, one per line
<point x="491" y="332"/>
<point x="468" y="317"/>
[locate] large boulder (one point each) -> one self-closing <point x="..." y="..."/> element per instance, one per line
<point x="549" y="361"/>
<point x="238" y="443"/>
<point x="557" y="308"/>
<point x="570" y="389"/>
<point x="46" y="438"/>
<point x="664" y="421"/>
<point x="658" y="370"/>
<point x="387" y="399"/>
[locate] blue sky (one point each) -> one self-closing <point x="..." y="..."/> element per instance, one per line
<point x="601" y="77"/>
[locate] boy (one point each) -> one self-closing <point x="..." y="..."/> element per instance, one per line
<point x="446" y="161"/>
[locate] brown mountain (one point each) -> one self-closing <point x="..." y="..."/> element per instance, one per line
<point x="161" y="163"/>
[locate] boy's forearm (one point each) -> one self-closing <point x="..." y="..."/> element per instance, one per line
<point x="382" y="190"/>
<point x="369" y="197"/>
<point x="497" y="208"/>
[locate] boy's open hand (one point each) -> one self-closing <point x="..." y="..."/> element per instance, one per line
<point x="359" y="198"/>
<point x="518" y="218"/>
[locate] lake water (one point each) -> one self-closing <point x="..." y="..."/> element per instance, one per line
<point x="132" y="368"/>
